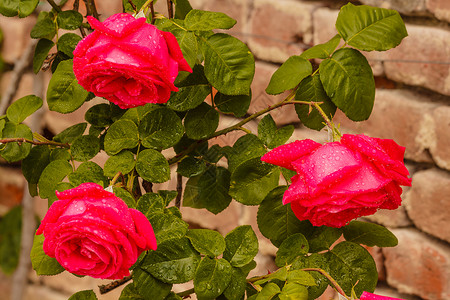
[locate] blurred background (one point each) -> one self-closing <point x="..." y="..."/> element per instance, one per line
<point x="412" y="107"/>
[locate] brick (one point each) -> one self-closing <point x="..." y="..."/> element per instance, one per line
<point x="16" y="36"/>
<point x="429" y="202"/>
<point x="25" y="86"/>
<point x="440" y="146"/>
<point x="407" y="7"/>
<point x="11" y="188"/>
<point x="279" y="28"/>
<point x="418" y="265"/>
<point x="399" y="115"/>
<point x="261" y="100"/>
<point x="440" y="9"/>
<point x="419" y="59"/>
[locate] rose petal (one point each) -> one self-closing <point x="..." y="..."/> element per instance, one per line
<point x="284" y="155"/>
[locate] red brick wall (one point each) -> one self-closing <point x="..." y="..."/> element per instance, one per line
<point x="412" y="106"/>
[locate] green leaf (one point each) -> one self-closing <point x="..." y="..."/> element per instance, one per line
<point x="212" y="277"/>
<point x="269" y="291"/>
<point x="148" y="286"/>
<point x="99" y="115"/>
<point x="253" y="180"/>
<point x="10" y="236"/>
<point x="369" y="234"/>
<point x="312" y="261"/>
<point x="192" y="91"/>
<point x="88" y="172"/>
<point x="64" y="94"/>
<point x="45" y="26"/>
<point x="277" y="221"/>
<point x="182" y="7"/>
<point x="350" y="263"/>
<point x="280" y="275"/>
<point x="43" y="47"/>
<point x="2" y="126"/>
<point x="229" y="64"/>
<point x="130" y="293"/>
<point x="311" y="89"/>
<point x="191" y="166"/>
<point x="41" y="262"/>
<point x="122" y="162"/>
<point x="207" y="20"/>
<point x="160" y="129"/>
<point x="71" y="133"/>
<point x="125" y="196"/>
<point x="241" y="246"/>
<point x="54" y="173"/>
<point x="208" y="190"/>
<point x="85" y="147"/>
<point x="175" y="261"/>
<point x="291" y="72"/>
<point x="84" y="295"/>
<point x="370" y="28"/>
<point x="236" y="105"/>
<point x="245" y="148"/>
<point x="167" y="227"/>
<point x="60" y="153"/>
<point x="201" y="122"/>
<point x="294" y="291"/>
<point x="67" y="43"/>
<point x="150" y="204"/>
<point x="20" y="109"/>
<point x="188" y="45"/>
<point x="152" y="166"/>
<point x="322" y="51"/>
<point x="122" y="134"/>
<point x="35" y="163"/>
<point x="128" y="8"/>
<point x="348" y="80"/>
<point x="300" y="277"/>
<point x="13" y="151"/>
<point x="271" y="135"/>
<point x="236" y="288"/>
<point x="322" y="238"/>
<point x="207" y="242"/>
<point x="69" y="19"/>
<point x="22" y="8"/>
<point x="292" y="247"/>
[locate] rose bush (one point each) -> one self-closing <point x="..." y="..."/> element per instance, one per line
<point x="128" y="61"/>
<point x="92" y="232"/>
<point x="340" y="181"/>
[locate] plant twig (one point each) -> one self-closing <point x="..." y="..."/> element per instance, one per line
<point x="76" y="6"/>
<point x="152" y="11"/>
<point x="179" y="190"/>
<point x="331" y="279"/>
<point x="113" y="285"/>
<point x="132" y="5"/>
<point x="19" y="69"/>
<point x="170" y="8"/>
<point x="24" y="140"/>
<point x="54" y="5"/>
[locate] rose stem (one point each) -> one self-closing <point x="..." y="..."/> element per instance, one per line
<point x="148" y="186"/>
<point x="24" y="140"/>
<point x="170" y="8"/>
<point x="331" y="279"/>
<point x="54" y="5"/>
<point x="132" y="5"/>
<point x="179" y="190"/>
<point x="152" y="11"/>
<point x="111" y="286"/>
<point x="76" y="6"/>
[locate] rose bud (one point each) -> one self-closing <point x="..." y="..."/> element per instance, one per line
<point x="93" y="232"/>
<point x="128" y="61"/>
<point x="340" y="181"/>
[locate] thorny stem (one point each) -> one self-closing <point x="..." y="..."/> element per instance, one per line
<point x="170" y="9"/>
<point x="147" y="3"/>
<point x="111" y="286"/>
<point x="91" y="8"/>
<point x="335" y="132"/>
<point x="54" y="5"/>
<point x="331" y="279"/>
<point x="24" y="140"/>
<point x="114" y="180"/>
<point x="179" y="190"/>
<point x="152" y="11"/>
<point x="132" y="5"/>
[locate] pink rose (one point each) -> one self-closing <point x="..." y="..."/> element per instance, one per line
<point x="340" y="181"/>
<point x="128" y="61"/>
<point x="92" y="232"/>
<point x="370" y="296"/>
